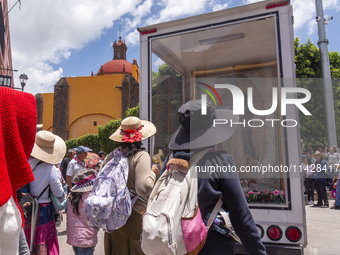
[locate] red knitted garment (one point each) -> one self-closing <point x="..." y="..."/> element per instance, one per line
<point x="18" y="120"/>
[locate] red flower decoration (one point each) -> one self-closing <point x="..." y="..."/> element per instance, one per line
<point x="132" y="135"/>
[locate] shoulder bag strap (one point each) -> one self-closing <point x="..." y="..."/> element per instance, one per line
<point x="218" y="209"/>
<point x="194" y="160"/>
<point x="29" y="184"/>
<point x="42" y="192"/>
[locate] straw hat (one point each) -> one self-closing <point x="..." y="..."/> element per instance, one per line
<point x="84" y="180"/>
<point x="132" y="129"/>
<point x="318" y="153"/>
<point x="48" y="147"/>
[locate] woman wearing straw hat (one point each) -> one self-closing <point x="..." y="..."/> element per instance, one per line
<point x="197" y="133"/>
<point x="126" y="240"/>
<point x="48" y="150"/>
<point x="320" y="179"/>
<point x="80" y="235"/>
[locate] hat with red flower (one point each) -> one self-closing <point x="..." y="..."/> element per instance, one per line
<point x="132" y="129"/>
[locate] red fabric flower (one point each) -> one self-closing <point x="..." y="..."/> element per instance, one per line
<point x="132" y="135"/>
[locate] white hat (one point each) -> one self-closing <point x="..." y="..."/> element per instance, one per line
<point x="48" y="147"/>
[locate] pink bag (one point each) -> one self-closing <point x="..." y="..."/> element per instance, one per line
<point x="194" y="232"/>
<point x="334" y="193"/>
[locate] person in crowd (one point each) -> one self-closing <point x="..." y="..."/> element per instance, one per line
<point x="48" y="151"/>
<point x="337" y="199"/>
<point x="126" y="240"/>
<point x="76" y="164"/>
<point x="195" y="134"/>
<point x="333" y="159"/>
<point x="64" y="164"/>
<point x="18" y="119"/>
<point x="309" y="181"/>
<point x="102" y="156"/>
<point x="320" y="179"/>
<point x="307" y="149"/>
<point x="80" y="235"/>
<point x="320" y="149"/>
<point x="59" y="204"/>
<point x="311" y="158"/>
<point x="58" y="215"/>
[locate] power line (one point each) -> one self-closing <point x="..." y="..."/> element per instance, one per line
<point x="68" y="74"/>
<point x="13" y="7"/>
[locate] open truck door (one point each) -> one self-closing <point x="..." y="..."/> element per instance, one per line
<point x="251" y="48"/>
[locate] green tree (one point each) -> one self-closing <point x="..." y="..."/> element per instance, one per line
<point x="134" y="111"/>
<point x="166" y="99"/>
<point x="91" y="141"/>
<point x="104" y="133"/>
<point x="71" y="144"/>
<point x="308" y="72"/>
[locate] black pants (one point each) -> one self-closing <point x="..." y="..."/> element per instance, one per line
<point x="310" y="188"/>
<point x="320" y="187"/>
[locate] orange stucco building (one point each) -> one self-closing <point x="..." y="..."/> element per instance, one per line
<point x="80" y="104"/>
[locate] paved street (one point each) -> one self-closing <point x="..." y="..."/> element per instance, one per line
<point x="323" y="226"/>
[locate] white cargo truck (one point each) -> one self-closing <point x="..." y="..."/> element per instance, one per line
<point x="250" y="46"/>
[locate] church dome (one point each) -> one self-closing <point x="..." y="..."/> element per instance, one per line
<point x="116" y="66"/>
<point x="119" y="64"/>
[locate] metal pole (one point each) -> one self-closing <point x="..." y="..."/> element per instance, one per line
<point x="326" y="75"/>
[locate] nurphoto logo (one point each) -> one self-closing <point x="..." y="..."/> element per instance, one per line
<point x="239" y="104"/>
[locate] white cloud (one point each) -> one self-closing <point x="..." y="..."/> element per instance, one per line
<point x="304" y="13"/>
<point x="44" y="33"/>
<point x="171" y="9"/>
<point x="158" y="62"/>
<point x="218" y="7"/>
<point x="138" y="13"/>
<point x="132" y="38"/>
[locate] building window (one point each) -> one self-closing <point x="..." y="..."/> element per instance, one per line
<point x="95" y="123"/>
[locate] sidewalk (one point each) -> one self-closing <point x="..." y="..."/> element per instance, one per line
<point x="323" y="232"/>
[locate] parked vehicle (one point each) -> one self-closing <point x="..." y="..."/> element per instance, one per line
<point x="250" y="46"/>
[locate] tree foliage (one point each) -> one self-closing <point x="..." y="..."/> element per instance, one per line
<point x="166" y="99"/>
<point x="90" y="141"/>
<point x="104" y="133"/>
<point x="71" y="144"/>
<point x="309" y="74"/>
<point x="134" y="111"/>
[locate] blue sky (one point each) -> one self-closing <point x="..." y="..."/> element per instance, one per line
<point x="53" y="39"/>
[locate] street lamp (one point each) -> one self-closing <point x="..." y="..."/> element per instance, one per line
<point x="23" y="78"/>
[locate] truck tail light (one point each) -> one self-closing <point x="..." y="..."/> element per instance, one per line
<point x="293" y="234"/>
<point x="274" y="233"/>
<point x="276" y="5"/>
